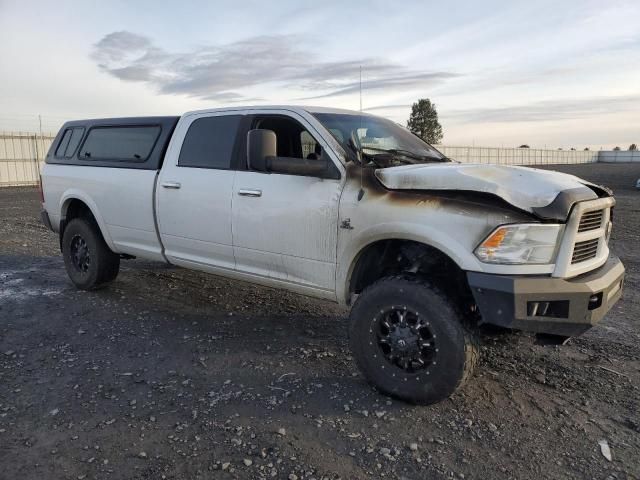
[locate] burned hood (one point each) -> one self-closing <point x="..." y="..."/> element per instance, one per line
<point x="546" y="194"/>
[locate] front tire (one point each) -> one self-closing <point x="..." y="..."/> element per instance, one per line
<point x="89" y="262"/>
<point x="409" y="341"/>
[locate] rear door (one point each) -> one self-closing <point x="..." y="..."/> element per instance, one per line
<point x="194" y="191"/>
<point x="285" y="226"/>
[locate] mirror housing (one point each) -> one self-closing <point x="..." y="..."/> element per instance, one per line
<point x="261" y="146"/>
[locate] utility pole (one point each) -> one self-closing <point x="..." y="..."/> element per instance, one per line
<point x="41" y="144"/>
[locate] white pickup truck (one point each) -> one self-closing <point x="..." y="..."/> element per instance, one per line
<point x="346" y="207"/>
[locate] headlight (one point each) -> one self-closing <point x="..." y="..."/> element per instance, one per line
<point x="520" y="244"/>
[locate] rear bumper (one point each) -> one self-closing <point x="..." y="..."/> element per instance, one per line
<point x="546" y="304"/>
<point x="44" y="216"/>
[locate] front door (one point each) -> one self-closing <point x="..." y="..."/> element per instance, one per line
<point x="285" y="226"/>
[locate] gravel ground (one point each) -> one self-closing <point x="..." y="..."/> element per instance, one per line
<point x="170" y="373"/>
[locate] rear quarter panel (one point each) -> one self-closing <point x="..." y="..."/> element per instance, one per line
<point x="121" y="200"/>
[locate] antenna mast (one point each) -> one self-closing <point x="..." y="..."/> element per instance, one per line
<point x="360" y="89"/>
<point x="361" y="192"/>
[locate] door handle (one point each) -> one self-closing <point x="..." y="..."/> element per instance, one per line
<point x="175" y="185"/>
<point x="249" y="193"/>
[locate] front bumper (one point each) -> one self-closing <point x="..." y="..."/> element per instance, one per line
<point x="547" y="304"/>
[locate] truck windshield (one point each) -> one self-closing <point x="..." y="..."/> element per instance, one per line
<point x="380" y="141"/>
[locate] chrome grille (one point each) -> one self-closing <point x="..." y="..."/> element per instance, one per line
<point x="586" y="250"/>
<point x="590" y="221"/>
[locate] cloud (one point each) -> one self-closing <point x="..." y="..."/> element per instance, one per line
<point x="222" y="72"/>
<point x="388" y="107"/>
<point x="402" y="82"/>
<point x="114" y="47"/>
<point x="549" y="110"/>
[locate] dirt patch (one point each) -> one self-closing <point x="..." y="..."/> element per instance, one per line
<point x="170" y="373"/>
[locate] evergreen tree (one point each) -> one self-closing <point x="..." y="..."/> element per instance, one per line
<point x="423" y="121"/>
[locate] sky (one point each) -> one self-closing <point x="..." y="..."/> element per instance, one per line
<point x="554" y="74"/>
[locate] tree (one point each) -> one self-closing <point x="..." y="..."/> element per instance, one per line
<point x="586" y="149"/>
<point x="633" y="146"/>
<point x="423" y="121"/>
<point x="616" y="148"/>
<point x="524" y="146"/>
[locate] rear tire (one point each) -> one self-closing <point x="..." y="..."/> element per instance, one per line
<point x="89" y="262"/>
<point x="410" y="342"/>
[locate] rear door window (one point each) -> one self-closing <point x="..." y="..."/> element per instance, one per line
<point x="209" y="142"/>
<point x="133" y="143"/>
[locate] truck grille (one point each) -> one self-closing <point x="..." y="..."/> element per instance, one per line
<point x="585" y="250"/>
<point x="584" y="245"/>
<point x="590" y="221"/>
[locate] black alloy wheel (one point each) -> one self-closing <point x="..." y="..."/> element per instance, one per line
<point x="406" y="339"/>
<point x="80" y="255"/>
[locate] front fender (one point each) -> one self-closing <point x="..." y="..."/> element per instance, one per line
<point x="421" y="233"/>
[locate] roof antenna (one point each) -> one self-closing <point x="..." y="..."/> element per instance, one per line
<point x="361" y="191"/>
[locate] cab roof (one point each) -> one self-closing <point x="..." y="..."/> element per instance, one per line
<point x="292" y="108"/>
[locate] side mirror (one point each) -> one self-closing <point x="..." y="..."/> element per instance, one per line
<point x="261" y="147"/>
<point x="262" y="156"/>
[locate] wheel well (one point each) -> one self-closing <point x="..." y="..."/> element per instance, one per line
<point x="74" y="208"/>
<point x="405" y="257"/>
<point x="77" y="208"/>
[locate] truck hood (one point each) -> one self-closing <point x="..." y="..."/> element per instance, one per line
<point x="544" y="193"/>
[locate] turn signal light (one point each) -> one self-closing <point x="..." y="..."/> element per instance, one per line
<point x="495" y="239"/>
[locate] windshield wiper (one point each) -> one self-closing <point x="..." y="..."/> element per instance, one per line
<point x="405" y="153"/>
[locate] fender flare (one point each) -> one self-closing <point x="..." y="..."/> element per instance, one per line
<point x="398" y="231"/>
<point x="75" y="194"/>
